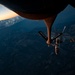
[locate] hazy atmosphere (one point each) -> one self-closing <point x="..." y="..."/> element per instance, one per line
<point x="24" y="52"/>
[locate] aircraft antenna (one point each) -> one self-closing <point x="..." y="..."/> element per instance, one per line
<point x="64" y="29"/>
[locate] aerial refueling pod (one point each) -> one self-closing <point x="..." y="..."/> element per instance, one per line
<point x="46" y="10"/>
<point x="36" y="9"/>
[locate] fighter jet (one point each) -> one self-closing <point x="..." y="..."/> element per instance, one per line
<point x="46" y="10"/>
<point x="57" y="39"/>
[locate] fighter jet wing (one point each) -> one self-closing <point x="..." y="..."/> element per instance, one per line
<point x="45" y="37"/>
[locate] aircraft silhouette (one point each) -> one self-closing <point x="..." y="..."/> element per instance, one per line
<point x="46" y="10"/>
<point x="57" y="39"/>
